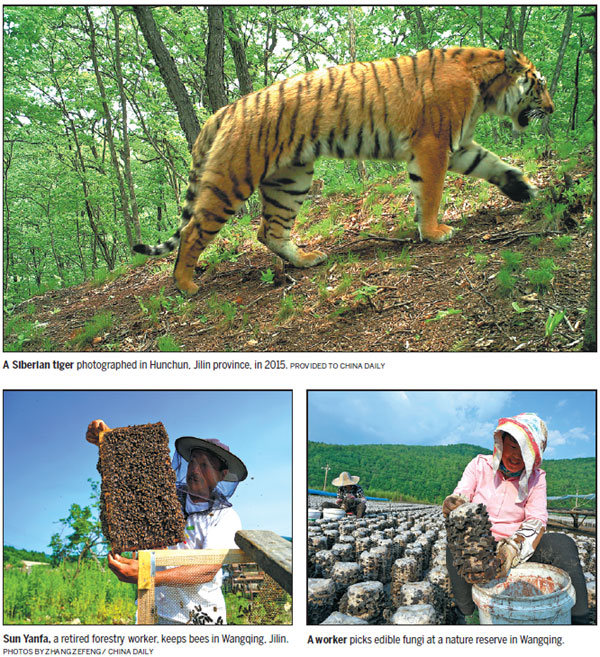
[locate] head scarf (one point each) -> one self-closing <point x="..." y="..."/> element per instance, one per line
<point x="532" y="435"/>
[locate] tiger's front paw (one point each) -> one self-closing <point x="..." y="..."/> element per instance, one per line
<point x="441" y="233"/>
<point x="309" y="258"/>
<point x="517" y="187"/>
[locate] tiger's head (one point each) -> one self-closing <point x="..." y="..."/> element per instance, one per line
<point x="527" y="98"/>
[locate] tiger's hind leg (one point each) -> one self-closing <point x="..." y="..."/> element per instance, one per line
<point x="206" y="213"/>
<point x="426" y="171"/>
<point x="282" y="195"/>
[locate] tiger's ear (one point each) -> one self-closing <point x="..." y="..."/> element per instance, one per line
<point x="511" y="60"/>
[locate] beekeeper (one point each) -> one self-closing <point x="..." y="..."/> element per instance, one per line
<point x="207" y="474"/>
<point x="512" y="487"/>
<point x="350" y="496"/>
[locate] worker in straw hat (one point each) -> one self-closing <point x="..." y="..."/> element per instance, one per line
<point x="512" y="486"/>
<point x="350" y="496"/>
<point x="207" y="475"/>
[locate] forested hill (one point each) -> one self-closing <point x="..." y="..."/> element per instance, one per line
<point x="15" y="556"/>
<point x="103" y="103"/>
<point x="418" y="473"/>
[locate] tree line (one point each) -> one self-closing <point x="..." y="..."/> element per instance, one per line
<point x="417" y="473"/>
<point x="103" y="103"/>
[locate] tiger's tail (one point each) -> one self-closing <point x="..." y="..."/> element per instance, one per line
<point x="199" y="152"/>
<point x="160" y="249"/>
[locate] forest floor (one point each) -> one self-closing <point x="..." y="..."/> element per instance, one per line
<point x="380" y="291"/>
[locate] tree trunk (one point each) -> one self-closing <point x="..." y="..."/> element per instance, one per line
<point x="8" y="155"/>
<point x="591" y="323"/>
<point x="239" y="53"/>
<point x="135" y="217"/>
<point x="177" y="93"/>
<point x="521" y="29"/>
<point x="80" y="168"/>
<point x="270" y="43"/>
<point x="559" y="62"/>
<point x="573" y="122"/>
<point x="109" y="132"/>
<point x="421" y="31"/>
<point x="360" y="165"/>
<point x="215" y="54"/>
<point x="481" y="34"/>
<point x="507" y="30"/>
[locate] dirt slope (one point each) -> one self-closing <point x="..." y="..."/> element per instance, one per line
<point x="382" y="294"/>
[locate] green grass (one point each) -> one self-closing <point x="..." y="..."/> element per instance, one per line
<point x="167" y="343"/>
<point x="98" y="325"/>
<point x="512" y="259"/>
<point x="562" y="242"/>
<point x="23" y="334"/>
<point x="102" y="276"/>
<point x="481" y="260"/>
<point x="155" y="304"/>
<point x="288" y="307"/>
<point x="542" y="277"/>
<point x="505" y="282"/>
<point x="49" y="596"/>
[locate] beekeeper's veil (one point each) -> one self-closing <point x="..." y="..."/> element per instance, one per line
<point x="220" y="495"/>
<point x="531" y="433"/>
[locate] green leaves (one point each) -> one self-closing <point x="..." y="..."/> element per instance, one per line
<point x="63" y="211"/>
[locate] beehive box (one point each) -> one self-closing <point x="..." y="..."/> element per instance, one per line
<point x="139" y="508"/>
<point x="260" y="596"/>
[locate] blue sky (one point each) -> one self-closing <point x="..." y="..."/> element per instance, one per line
<point x="47" y="461"/>
<point x="446" y="418"/>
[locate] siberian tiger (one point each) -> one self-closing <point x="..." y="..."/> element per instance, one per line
<point x="421" y="109"/>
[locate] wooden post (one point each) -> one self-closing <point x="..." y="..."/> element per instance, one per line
<point x="146" y="606"/>
<point x="271" y="552"/>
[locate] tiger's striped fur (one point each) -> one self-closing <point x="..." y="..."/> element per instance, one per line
<point x="421" y="109"/>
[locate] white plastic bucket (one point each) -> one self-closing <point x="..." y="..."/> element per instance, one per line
<point x="333" y="514"/>
<point x="532" y="594"/>
<point x="314" y="514"/>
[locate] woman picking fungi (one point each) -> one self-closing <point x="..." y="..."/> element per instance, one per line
<point x="512" y="487"/>
<point x="350" y="496"/>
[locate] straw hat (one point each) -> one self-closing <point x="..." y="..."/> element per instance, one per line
<point x="345" y="480"/>
<point x="186" y="444"/>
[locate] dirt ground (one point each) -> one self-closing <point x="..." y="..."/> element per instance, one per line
<point x="386" y="294"/>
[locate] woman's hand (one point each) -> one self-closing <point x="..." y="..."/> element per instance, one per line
<point x="507" y="551"/>
<point x="124" y="568"/>
<point x="452" y="502"/>
<point x="94" y="430"/>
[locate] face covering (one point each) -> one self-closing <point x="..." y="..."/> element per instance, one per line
<point x="220" y="495"/>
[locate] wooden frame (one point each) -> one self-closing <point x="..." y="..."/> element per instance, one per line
<point x="150" y="559"/>
<point x="269" y="551"/>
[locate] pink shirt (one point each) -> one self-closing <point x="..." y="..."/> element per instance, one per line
<point x="480" y="485"/>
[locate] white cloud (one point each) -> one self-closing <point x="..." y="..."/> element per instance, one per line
<point x="570" y="437"/>
<point x="421" y="418"/>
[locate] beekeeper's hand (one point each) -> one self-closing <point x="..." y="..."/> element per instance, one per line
<point x="508" y="552"/>
<point x="452" y="502"/>
<point x="94" y="430"/>
<point x="124" y="568"/>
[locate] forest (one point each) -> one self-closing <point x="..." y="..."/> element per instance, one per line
<point x="103" y="103"/>
<point x="415" y="473"/>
